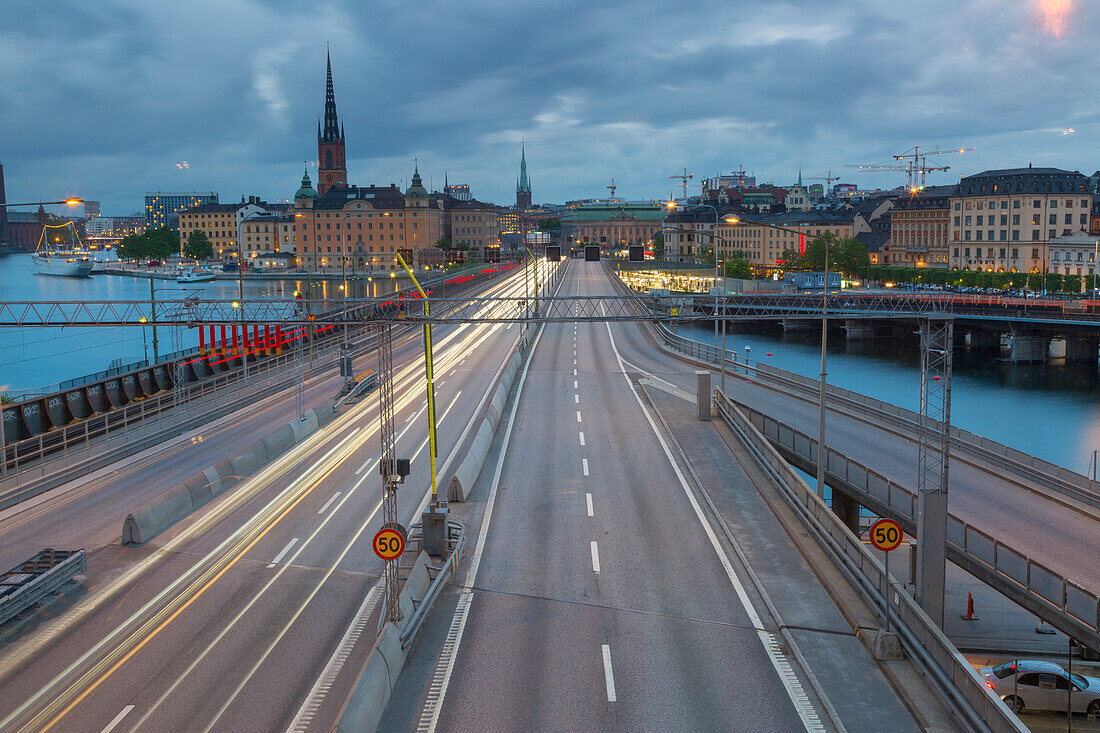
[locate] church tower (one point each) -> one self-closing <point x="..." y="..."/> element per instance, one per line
<point x="332" y="167"/>
<point x="523" y="186"/>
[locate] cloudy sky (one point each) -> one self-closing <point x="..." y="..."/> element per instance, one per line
<point x="107" y="99"/>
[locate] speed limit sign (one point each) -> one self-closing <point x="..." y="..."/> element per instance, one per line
<point x="886" y="535"/>
<point x="389" y="543"/>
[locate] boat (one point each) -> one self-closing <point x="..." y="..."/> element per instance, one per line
<point x="195" y="275"/>
<point x="61" y="260"/>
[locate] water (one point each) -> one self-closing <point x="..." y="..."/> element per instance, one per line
<point x="1048" y="410"/>
<point x="33" y="358"/>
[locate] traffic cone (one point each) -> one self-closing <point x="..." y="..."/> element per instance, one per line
<point x="969" y="616"/>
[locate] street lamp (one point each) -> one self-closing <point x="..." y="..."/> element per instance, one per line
<point x="68" y="202"/>
<point x="824" y="337"/>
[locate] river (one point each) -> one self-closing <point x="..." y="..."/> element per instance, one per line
<point x="1049" y="410"/>
<point x="36" y="358"/>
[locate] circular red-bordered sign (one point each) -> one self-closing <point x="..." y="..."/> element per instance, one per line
<point x="389" y="543"/>
<point x="886" y="535"/>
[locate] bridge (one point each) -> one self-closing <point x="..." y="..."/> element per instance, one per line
<point x="627" y="564"/>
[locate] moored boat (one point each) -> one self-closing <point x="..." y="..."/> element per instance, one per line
<point x="61" y="260"/>
<point x="195" y="275"/>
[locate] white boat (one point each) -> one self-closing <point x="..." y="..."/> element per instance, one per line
<point x="61" y="260"/>
<point x="195" y="275"/>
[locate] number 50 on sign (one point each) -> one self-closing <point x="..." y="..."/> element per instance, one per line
<point x="389" y="543"/>
<point x="886" y="535"/>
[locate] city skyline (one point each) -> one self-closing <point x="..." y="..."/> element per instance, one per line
<point x="801" y="85"/>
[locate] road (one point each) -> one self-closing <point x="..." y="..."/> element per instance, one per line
<point x="225" y="621"/>
<point x="602" y="595"/>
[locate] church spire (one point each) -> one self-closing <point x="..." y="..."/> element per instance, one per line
<point x="800" y="178"/>
<point x="332" y="131"/>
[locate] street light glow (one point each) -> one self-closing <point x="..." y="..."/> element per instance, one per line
<point x="73" y="201"/>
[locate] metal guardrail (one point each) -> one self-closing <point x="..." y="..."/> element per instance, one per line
<point x="954" y="677"/>
<point x="1031" y="468"/>
<point x="456" y="539"/>
<point x="32" y="580"/>
<point x="1066" y="604"/>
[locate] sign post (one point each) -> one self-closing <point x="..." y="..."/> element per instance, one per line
<point x="886" y="535"/>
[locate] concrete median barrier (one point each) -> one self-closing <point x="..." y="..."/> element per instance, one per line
<point x="462" y="483"/>
<point x="368" y="700"/>
<point x="195" y="492"/>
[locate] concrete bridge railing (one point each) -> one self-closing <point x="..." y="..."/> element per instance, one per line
<point x="1065" y="603"/>
<point x="922" y="640"/>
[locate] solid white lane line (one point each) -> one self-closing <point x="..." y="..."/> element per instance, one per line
<point x="576" y="399"/>
<point x="578" y="415"/>
<point x="584" y="465"/>
<point x="608" y="675"/>
<point x="588" y="500"/>
<point x="581" y="434"/>
<point x="595" y="557"/>
<point x="283" y="552"/>
<point x="118" y="719"/>
<point x="801" y="702"/>
<point x="328" y="503"/>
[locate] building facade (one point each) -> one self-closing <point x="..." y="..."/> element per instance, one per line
<point x="476" y="225"/>
<point x="1074" y="254"/>
<point x="612" y="225"/>
<point x="162" y="208"/>
<point x="218" y="221"/>
<point x="1004" y="220"/>
<point x="918" y="228"/>
<point x="763" y="246"/>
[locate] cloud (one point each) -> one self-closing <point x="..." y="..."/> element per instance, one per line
<point x="110" y="96"/>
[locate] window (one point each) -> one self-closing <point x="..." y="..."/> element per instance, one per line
<point x="966" y="252"/>
<point x="1034" y="235"/>
<point x="978" y="251"/>
<point x="1015" y="219"/>
<point x="1004" y="236"/>
<point x="1035" y="253"/>
<point x="1002" y="253"/>
<point x="1004" y="204"/>
<point x="1053" y="218"/>
<point x="980" y="217"/>
<point x="1015" y="253"/>
<point x="956" y="206"/>
<point x="978" y="237"/>
<point x="1054" y="203"/>
<point x="956" y="252"/>
<point x="1037" y="204"/>
<point x="1034" y="219"/>
<point x="968" y="221"/>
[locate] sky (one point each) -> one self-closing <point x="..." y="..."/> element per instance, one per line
<point x="110" y="99"/>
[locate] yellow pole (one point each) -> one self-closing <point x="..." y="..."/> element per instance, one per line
<point x="430" y="374"/>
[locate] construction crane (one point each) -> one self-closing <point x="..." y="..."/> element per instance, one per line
<point x="916" y="165"/>
<point x="684" y="178"/>
<point x="611" y="188"/>
<point x="828" y="178"/>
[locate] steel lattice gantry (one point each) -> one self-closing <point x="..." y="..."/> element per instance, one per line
<point x="597" y="308"/>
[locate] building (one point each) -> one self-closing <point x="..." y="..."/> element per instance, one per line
<point x="736" y="179"/>
<point x="475" y="225"/>
<point x="816" y="192"/>
<point x="763" y="246"/>
<point x="612" y="225"/>
<point x="797" y="198"/>
<point x="866" y="212"/>
<point x="268" y="233"/>
<point x="91" y="209"/>
<point x="1074" y="254"/>
<point x="457" y="191"/>
<point x="918" y="228"/>
<point x="1094" y="227"/>
<point x="332" y="167"/>
<point x="523" y="184"/>
<point x="1004" y="220"/>
<point x="812" y="280"/>
<point x="219" y="221"/>
<point x="23" y="229"/>
<point x="162" y="208"/>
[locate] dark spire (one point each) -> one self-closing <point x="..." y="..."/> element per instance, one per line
<point x="332" y="124"/>
<point x="523" y="185"/>
<point x="318" y="127"/>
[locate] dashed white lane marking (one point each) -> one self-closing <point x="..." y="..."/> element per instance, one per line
<point x="581" y="434"/>
<point x="574" y="362"/>
<point x="578" y="415"/>
<point x="608" y="675"/>
<point x="283" y="552"/>
<point x="588" y="501"/>
<point x="576" y="399"/>
<point x="441" y="383"/>
<point x="584" y="466"/>
<point x="595" y="557"/>
<point x="574" y="384"/>
<point x="574" y="372"/>
<point x="328" y="503"/>
<point x="118" y="719"/>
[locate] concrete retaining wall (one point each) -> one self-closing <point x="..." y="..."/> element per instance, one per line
<point x="161" y="512"/>
<point x="372" y="690"/>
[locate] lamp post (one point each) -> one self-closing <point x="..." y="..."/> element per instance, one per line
<point x="240" y="290"/>
<point x="68" y="202"/>
<point x="821" y="451"/>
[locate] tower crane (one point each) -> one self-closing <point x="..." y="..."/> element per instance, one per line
<point x="684" y="178"/>
<point x="828" y="178"/>
<point x="915" y="166"/>
<point x="611" y="188"/>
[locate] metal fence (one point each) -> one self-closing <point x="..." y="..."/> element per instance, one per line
<point x="1066" y="603"/>
<point x="923" y="641"/>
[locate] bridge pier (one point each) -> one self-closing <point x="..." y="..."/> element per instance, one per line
<point x="983" y="339"/>
<point x="847" y="509"/>
<point x="859" y="330"/>
<point x="1028" y="347"/>
<point x="1079" y="347"/>
<point x="799" y="325"/>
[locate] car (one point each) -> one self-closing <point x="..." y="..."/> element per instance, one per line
<point x="153" y="263"/>
<point x="1027" y="684"/>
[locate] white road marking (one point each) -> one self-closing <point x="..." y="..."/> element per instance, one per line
<point x="595" y="557"/>
<point x="574" y="384"/>
<point x="576" y="399"/>
<point x="588" y="500"/>
<point x="801" y="702"/>
<point x="118" y="719"/>
<point x="574" y="372"/>
<point x="328" y="503"/>
<point x="581" y="434"/>
<point x="574" y="362"/>
<point x="608" y="675"/>
<point x="584" y="465"/>
<point x="283" y="552"/>
<point x="578" y="415"/>
<point x="441" y="383"/>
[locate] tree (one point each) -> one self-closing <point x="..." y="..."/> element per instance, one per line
<point x="546" y="225"/>
<point x="739" y="267"/>
<point x="1072" y="284"/>
<point x="163" y="242"/>
<point x="133" y="247"/>
<point x="198" y="246"/>
<point x="443" y="243"/>
<point x="706" y="255"/>
<point x="659" y="245"/>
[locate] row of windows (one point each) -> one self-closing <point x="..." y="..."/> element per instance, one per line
<point x="1052" y="233"/>
<point x="1035" y="219"/>
<point x="1015" y="252"/>
<point x="1035" y="204"/>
